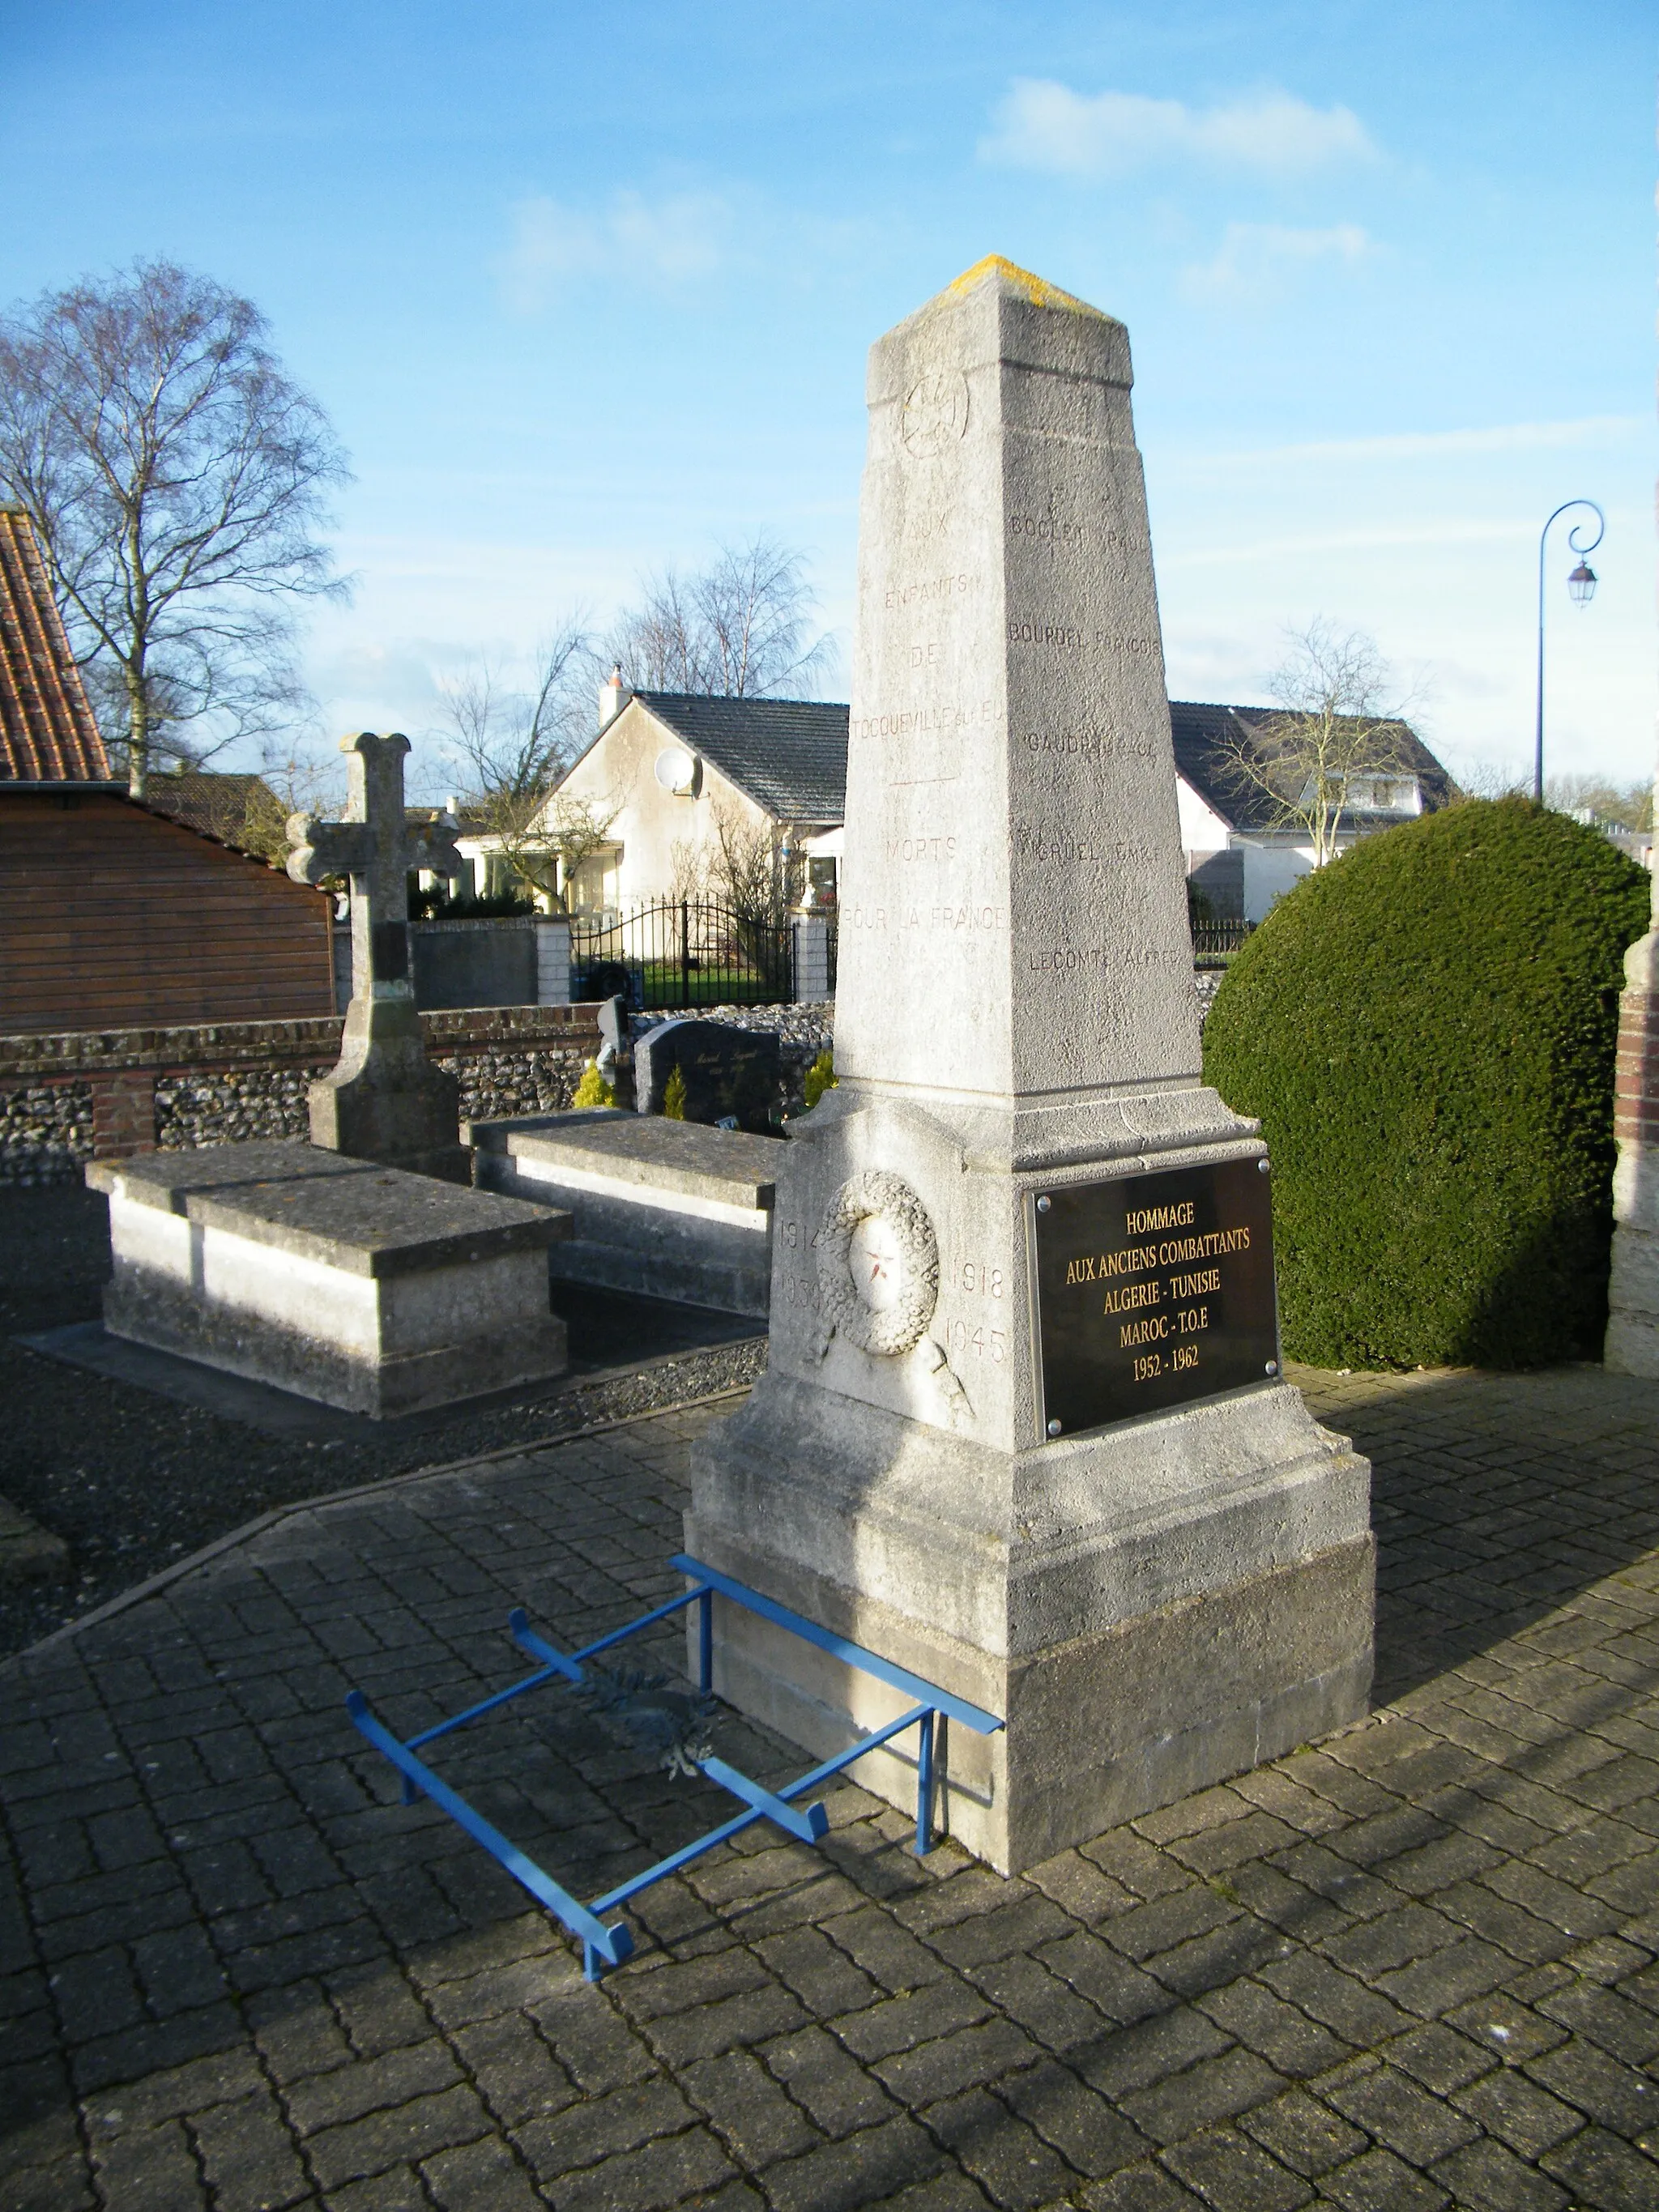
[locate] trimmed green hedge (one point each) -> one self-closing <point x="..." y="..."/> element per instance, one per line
<point x="1426" y="1029"/>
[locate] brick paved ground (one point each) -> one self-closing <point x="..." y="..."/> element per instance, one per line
<point x="1413" y="1966"/>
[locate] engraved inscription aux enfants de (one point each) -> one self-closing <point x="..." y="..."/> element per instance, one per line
<point x="1160" y="1288"/>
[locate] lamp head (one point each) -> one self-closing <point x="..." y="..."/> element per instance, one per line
<point x="1580" y="584"/>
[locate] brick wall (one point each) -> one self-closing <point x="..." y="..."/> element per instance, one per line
<point x="68" y="1096"/>
<point x="1636" y="1080"/>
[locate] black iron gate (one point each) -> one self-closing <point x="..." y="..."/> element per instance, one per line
<point x="680" y="953"/>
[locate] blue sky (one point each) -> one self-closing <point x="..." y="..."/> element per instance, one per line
<point x="587" y="289"/>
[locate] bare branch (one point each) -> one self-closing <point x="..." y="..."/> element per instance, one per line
<point x="177" y="478"/>
<point x="737" y="628"/>
<point x="1318" y="760"/>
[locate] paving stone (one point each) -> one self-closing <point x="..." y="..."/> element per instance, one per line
<point x="1302" y="2134"/>
<point x="1598" y="2169"/>
<point x="707" y="2030"/>
<point x="860" y="2169"/>
<point x="1275" y="2031"/>
<point x="478" y="2175"/>
<point x="1214" y="2089"/>
<point x="1140" y="2189"/>
<point x="822" y="1975"/>
<point x="661" y="2174"/>
<point x="1011" y="2162"/>
<point x="409" y="2130"/>
<point x="249" y="2156"/>
<point x="1139" y="2057"/>
<point x="900" y="2023"/>
<point x="757" y="2122"/>
<point x="1489" y="2178"/>
<point x="1399" y="2115"/>
<point x="1084" y="2126"/>
<point x="149" y="2170"/>
<point x="1379" y="2182"/>
<point x="1501" y="2024"/>
<point x="1615" y="2096"/>
<point x="347" y="2093"/>
<point x="836" y="2091"/>
<point x="1024" y="1992"/>
<point x="1229" y="2170"/>
<point x="1519" y="2113"/>
<point x="968" y="2058"/>
<point x="1464" y="1893"/>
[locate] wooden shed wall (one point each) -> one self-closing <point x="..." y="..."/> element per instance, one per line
<point x="112" y="917"/>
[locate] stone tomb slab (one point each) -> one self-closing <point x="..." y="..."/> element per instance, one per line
<point x="669" y="1209"/>
<point x="361" y="1287"/>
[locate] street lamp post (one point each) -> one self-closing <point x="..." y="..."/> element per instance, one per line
<point x="1580" y="585"/>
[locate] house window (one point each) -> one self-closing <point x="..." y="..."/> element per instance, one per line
<point x="593" y="887"/>
<point x="821" y="874"/>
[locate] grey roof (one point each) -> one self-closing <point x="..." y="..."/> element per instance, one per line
<point x="1204" y="735"/>
<point x="789" y="756"/>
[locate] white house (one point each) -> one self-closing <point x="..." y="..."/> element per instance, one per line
<point x="664" y="765"/>
<point x="1239" y="852"/>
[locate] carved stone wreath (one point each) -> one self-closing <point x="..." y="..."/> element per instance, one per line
<point x="898" y="1328"/>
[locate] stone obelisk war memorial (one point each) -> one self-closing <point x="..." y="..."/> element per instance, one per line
<point x="1022" y="1429"/>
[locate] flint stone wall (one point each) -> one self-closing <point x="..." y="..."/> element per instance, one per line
<point x="70" y="1096"/>
<point x="45" y="1132"/>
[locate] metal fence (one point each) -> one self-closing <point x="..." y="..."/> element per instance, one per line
<point x="1214" y="941"/>
<point x="681" y="953"/>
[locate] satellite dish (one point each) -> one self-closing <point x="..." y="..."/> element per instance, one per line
<point x="679" y="771"/>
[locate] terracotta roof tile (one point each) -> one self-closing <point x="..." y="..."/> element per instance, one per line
<point x="47" y="733"/>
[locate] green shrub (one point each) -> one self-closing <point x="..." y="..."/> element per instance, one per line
<point x="1426" y="1029"/>
<point x="674" y="1097"/>
<point x="593" y="1090"/>
<point x="820" y="1078"/>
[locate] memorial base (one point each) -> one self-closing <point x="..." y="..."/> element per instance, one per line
<point x="1146" y="1623"/>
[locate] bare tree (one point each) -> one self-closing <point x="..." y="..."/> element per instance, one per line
<point x="754" y="868"/>
<point x="1626" y="805"/>
<point x="572" y="829"/>
<point x="737" y="628"/>
<point x="176" y="476"/>
<point x="1334" y="736"/>
<point x="509" y="748"/>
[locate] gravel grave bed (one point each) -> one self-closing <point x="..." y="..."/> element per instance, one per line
<point x="133" y="1481"/>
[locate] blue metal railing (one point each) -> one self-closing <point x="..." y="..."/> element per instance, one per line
<point x="604" y="1946"/>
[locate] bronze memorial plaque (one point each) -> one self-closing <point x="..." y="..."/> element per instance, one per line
<point x="1153" y="1289"/>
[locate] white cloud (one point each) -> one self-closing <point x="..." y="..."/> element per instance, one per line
<point x="669" y="240"/>
<point x="1427" y="445"/>
<point x="1044" y="126"/>
<point x="1255" y="259"/>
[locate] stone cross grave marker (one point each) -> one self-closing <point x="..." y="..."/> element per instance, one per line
<point x="384" y="1101"/>
<point x="1021" y="1428"/>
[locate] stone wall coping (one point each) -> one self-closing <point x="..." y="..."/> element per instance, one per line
<point x="95" y="1051"/>
<point x="352" y="1215"/>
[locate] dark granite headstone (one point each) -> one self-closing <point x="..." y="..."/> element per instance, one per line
<point x="729" y="1073"/>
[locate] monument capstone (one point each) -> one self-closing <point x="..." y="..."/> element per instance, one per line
<point x="1022" y="1429"/>
<point x="384" y="1101"/>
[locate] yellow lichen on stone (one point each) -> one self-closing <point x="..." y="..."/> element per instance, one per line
<point x="1037" y="289"/>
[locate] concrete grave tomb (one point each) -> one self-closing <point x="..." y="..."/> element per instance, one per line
<point x="362" y="1286"/>
<point x="1012" y="1434"/>
<point x="666" y="1209"/>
